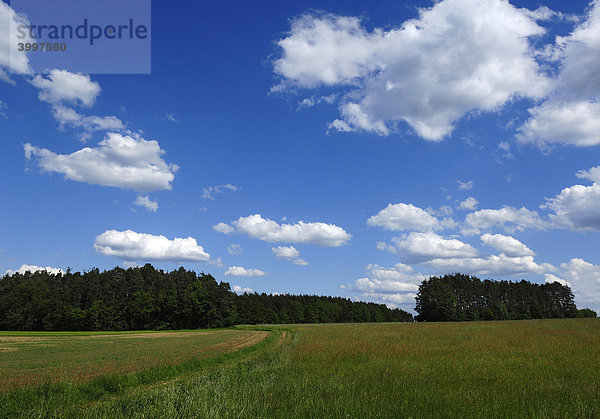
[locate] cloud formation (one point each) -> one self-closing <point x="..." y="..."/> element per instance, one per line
<point x="419" y="247"/>
<point x="122" y="161"/>
<point x="255" y="226"/>
<point x="402" y="217"/>
<point x="508" y="218"/>
<point x="506" y="244"/>
<point x="240" y="271"/>
<point x="33" y="268"/>
<point x="131" y="246"/>
<point x="146" y="202"/>
<point x="395" y="286"/>
<point x="64" y="86"/>
<point x="457" y="57"/>
<point x="289" y="253"/>
<point x="571" y="115"/>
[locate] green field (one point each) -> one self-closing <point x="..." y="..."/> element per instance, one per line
<point x="538" y="368"/>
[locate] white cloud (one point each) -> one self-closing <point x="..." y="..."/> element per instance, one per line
<point x="507" y="245"/>
<point x="223" y="228"/>
<point x="11" y="59"/>
<point x="500" y="265"/>
<point x="289" y="253"/>
<point x="285" y="252"/>
<point x="241" y="290"/>
<point x="68" y="116"/>
<point x="584" y="278"/>
<point x="234" y="249"/>
<point x="550" y="278"/>
<point x="458" y="56"/>
<point x="418" y="247"/>
<point x="465" y="186"/>
<point x="576" y="207"/>
<point x="33" y="268"/>
<point x="64" y="86"/>
<point x="576" y="123"/>
<point x="257" y="227"/>
<point x="592" y="174"/>
<point x="399" y="217"/>
<point x="572" y="113"/>
<point x="239" y="271"/>
<point x="508" y="218"/>
<point x="120" y="160"/>
<point x="144" y="201"/>
<point x="207" y="193"/>
<point x="468" y="204"/>
<point x="397" y="285"/>
<point x="129" y="245"/>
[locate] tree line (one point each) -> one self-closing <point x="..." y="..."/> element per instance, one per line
<point x="144" y="298"/>
<point x="461" y="297"/>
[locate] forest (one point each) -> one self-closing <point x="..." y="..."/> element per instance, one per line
<point x="144" y="298"/>
<point x="461" y="297"/>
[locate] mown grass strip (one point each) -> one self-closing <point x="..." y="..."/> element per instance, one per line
<point x="46" y="399"/>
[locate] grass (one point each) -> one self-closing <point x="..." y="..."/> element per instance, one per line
<point x="28" y="358"/>
<point x="539" y="368"/>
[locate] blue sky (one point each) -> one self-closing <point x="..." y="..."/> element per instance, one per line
<point x="338" y="148"/>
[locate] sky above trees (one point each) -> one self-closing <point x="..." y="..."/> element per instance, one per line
<point x="338" y="148"/>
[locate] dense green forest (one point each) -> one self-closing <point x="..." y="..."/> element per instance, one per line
<point x="146" y="298"/>
<point x="462" y="297"/>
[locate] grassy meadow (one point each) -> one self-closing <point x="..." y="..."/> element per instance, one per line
<point x="538" y="368"/>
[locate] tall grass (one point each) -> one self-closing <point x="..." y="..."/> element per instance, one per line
<point x="545" y="368"/>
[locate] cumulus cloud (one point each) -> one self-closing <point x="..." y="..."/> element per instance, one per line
<point x="550" y="278"/>
<point x="499" y="265"/>
<point x="576" y="123"/>
<point x="11" y="59"/>
<point x="223" y="228"/>
<point x="468" y="204"/>
<point x="289" y="253"/>
<point x="400" y="217"/>
<point x="572" y="113"/>
<point x="418" y="247"/>
<point x="64" y="86"/>
<point x="456" y="57"/>
<point x="508" y="218"/>
<point x="239" y="271"/>
<point x="33" y="268"/>
<point x="397" y="285"/>
<point x="241" y="290"/>
<point x="131" y="246"/>
<point x="146" y="202"/>
<point x="576" y="208"/>
<point x="234" y="249"/>
<point x="208" y="192"/>
<point x="285" y="252"/>
<point x="506" y="244"/>
<point x="584" y="279"/>
<point x="257" y="227"/>
<point x="122" y="161"/>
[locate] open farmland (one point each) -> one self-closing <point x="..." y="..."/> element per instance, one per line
<point x="538" y="368"/>
<point x="30" y="358"/>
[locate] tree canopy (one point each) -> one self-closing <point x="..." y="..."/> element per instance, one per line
<point x="461" y="297"/>
<point x="146" y="298"/>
